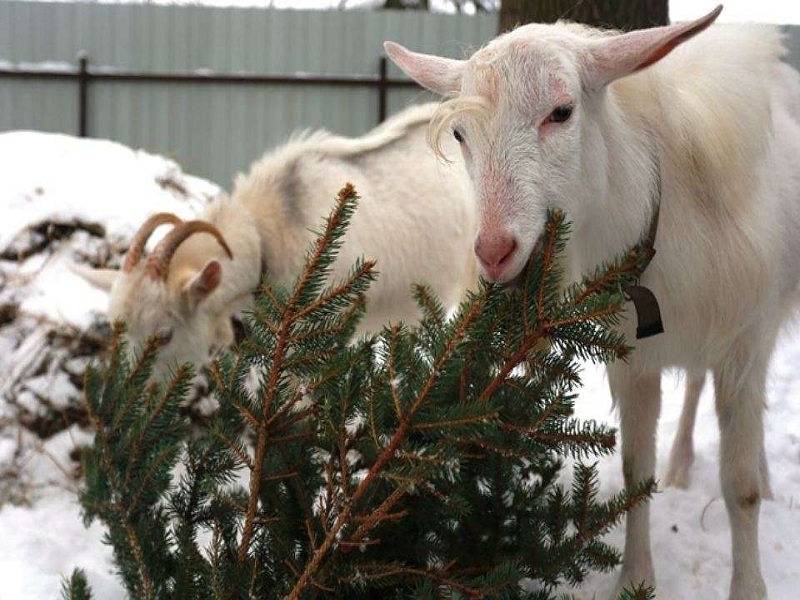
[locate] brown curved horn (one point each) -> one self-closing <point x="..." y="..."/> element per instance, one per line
<point x="136" y="249"/>
<point x="158" y="263"/>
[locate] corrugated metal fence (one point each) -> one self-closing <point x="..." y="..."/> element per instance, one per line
<point x="213" y="129"/>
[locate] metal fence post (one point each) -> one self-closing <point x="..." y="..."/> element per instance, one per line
<point x="83" y="94"/>
<point x="383" y="88"/>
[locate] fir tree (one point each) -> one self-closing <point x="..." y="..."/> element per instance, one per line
<point x="421" y="462"/>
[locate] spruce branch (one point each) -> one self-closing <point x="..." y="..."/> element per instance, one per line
<point x="293" y="312"/>
<point x="383" y="458"/>
<point x="553" y="231"/>
<point x="76" y="587"/>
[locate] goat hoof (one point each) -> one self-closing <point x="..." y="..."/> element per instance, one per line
<point x="676" y="479"/>
<point x="752" y="590"/>
<point x="677" y="475"/>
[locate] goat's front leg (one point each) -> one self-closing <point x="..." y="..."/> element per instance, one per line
<point x="638" y="396"/>
<point x="682" y="455"/>
<point x="740" y="391"/>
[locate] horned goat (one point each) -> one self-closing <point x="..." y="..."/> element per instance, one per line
<point x="591" y="122"/>
<point x="415" y="218"/>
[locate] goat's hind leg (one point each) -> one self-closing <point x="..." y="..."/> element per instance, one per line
<point x="681" y="456"/>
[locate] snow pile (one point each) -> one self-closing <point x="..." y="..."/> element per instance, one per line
<point x="64" y="200"/>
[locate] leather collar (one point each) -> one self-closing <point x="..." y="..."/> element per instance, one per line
<point x="648" y="314"/>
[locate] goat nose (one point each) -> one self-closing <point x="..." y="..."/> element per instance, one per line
<point x="493" y="249"/>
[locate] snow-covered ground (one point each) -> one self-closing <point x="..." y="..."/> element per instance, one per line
<point x="690" y="533"/>
<point x="82" y="186"/>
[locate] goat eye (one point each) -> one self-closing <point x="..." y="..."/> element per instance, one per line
<point x="164" y="336"/>
<point x="560" y="114"/>
<point x="458" y="135"/>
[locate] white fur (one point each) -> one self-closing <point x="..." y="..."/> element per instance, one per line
<point x="681" y="456"/>
<point x="415" y="218"/>
<point x="720" y="117"/>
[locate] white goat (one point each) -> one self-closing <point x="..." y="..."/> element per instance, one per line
<point x="570" y="117"/>
<point x="415" y="218"/>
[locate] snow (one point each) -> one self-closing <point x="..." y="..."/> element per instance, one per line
<point x="43" y="544"/>
<point x="59" y="179"/>
<point x="689" y="528"/>
<point x="91" y="180"/>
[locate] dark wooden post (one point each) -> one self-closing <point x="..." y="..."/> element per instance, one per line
<point x="619" y="14"/>
<point x="383" y="88"/>
<point x="83" y="94"/>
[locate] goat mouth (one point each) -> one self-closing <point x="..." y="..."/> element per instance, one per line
<point x="517" y="281"/>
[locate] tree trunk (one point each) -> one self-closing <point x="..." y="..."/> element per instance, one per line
<point x="617" y="14"/>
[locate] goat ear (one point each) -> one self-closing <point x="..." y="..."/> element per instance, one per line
<point x="102" y="279"/>
<point x="205" y="282"/>
<point x="438" y="74"/>
<point x="615" y="57"/>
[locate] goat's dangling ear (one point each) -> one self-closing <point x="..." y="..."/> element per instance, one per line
<point x="614" y="57"/>
<point x="205" y="282"/>
<point x="102" y="279"/>
<point x="438" y="74"/>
